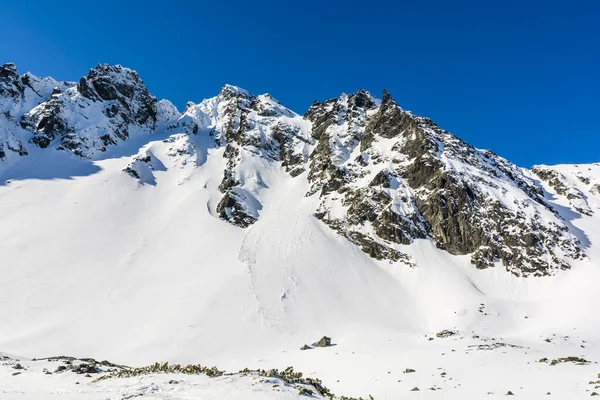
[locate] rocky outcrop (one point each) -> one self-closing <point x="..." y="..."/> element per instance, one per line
<point x="104" y="108"/>
<point x="248" y="127"/>
<point x="11" y="85"/>
<point x="18" y="95"/>
<point x="393" y="177"/>
<point x="562" y="187"/>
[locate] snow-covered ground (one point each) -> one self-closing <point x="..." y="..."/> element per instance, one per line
<point x="96" y="264"/>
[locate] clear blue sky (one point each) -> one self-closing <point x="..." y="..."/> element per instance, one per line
<point x="519" y="77"/>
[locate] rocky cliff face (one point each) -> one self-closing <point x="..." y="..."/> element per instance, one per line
<point x="102" y="109"/>
<point x="18" y="95"/>
<point x="388" y="177"/>
<point x="249" y="127"/>
<point x="383" y="176"/>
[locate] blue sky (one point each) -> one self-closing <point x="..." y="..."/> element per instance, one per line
<point x="519" y="77"/>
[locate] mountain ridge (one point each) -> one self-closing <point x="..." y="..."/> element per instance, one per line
<point x="385" y="176"/>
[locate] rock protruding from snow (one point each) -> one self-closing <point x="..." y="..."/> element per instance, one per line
<point x="578" y="184"/>
<point x="142" y="167"/>
<point x="254" y="131"/>
<point x="18" y="95"/>
<point x="10" y="81"/>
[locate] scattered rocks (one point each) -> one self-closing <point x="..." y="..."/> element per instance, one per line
<point x="494" y="346"/>
<point x="85" y="368"/>
<point x="574" y="360"/>
<point x="409" y="371"/>
<point x="306" y="347"/>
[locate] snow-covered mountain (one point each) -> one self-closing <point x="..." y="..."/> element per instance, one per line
<point x="238" y="230"/>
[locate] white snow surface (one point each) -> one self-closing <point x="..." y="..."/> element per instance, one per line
<point x="97" y="264"/>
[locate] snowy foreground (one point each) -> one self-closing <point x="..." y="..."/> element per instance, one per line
<point x="40" y="380"/>
<point x="449" y="367"/>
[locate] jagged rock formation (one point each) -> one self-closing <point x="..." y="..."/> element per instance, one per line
<point x="104" y="108"/>
<point x="18" y="95"/>
<point x="383" y="176"/>
<point x="248" y="127"/>
<point x="388" y="177"/>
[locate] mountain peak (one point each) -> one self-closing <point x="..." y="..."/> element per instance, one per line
<point x="228" y="91"/>
<point x="110" y="82"/>
<point x="10" y="81"/>
<point x="112" y="70"/>
<point x="8" y="68"/>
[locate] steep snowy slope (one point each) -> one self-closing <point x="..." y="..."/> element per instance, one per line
<point x="207" y="237"/>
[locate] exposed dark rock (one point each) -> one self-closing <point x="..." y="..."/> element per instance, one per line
<point x="323" y="342"/>
<point x="125" y="100"/>
<point x="446" y="333"/>
<point x="10" y="81"/>
<point x="231" y="208"/>
<point x="423" y="195"/>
